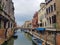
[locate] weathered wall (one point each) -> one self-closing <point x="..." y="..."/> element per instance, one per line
<point x="58" y="13"/>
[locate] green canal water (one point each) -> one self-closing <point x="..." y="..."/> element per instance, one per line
<point x="22" y="39"/>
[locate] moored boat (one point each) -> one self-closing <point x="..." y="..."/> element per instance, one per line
<point x="37" y="41"/>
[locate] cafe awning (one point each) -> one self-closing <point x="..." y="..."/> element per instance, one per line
<point x="40" y="29"/>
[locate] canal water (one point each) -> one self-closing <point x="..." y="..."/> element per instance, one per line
<point x="21" y="39"/>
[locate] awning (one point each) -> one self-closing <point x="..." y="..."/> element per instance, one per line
<point x="40" y="29"/>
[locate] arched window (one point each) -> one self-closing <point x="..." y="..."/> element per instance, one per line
<point x="54" y="19"/>
<point x="50" y="19"/>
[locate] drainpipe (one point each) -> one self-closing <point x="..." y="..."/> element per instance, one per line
<point x="55" y="37"/>
<point x="6" y="33"/>
<point x="46" y="38"/>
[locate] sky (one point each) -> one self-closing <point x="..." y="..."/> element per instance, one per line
<point x="25" y="9"/>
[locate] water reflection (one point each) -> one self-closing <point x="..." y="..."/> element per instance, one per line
<point x="20" y="39"/>
<point x="9" y="42"/>
<point x="28" y="36"/>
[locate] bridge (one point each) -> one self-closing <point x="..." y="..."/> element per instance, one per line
<point x="47" y="29"/>
<point x="16" y="28"/>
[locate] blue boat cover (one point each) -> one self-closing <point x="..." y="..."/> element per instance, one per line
<point x="40" y="44"/>
<point x="40" y="29"/>
<point x="38" y="40"/>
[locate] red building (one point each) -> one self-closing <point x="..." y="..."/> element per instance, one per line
<point x="35" y="20"/>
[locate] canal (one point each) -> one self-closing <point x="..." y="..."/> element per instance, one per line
<point x="21" y="39"/>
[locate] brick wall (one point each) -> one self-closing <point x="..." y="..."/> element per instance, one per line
<point x="2" y="33"/>
<point x="58" y="39"/>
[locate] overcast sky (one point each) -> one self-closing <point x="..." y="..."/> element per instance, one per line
<point x="25" y="9"/>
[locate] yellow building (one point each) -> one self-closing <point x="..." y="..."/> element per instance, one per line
<point x="27" y="24"/>
<point x="42" y="15"/>
<point x="53" y="17"/>
<point x="51" y="13"/>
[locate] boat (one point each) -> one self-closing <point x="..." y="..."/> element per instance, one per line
<point x="15" y="36"/>
<point x="25" y="31"/>
<point x="36" y="41"/>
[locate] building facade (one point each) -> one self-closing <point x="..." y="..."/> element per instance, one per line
<point x="42" y="21"/>
<point x="7" y="19"/>
<point x="48" y="17"/>
<point x="27" y="24"/>
<point x="51" y="13"/>
<point x="35" y="20"/>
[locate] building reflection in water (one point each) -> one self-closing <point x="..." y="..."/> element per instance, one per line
<point x="28" y="36"/>
<point x="10" y="42"/>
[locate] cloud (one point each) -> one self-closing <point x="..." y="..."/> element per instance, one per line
<point x="23" y="17"/>
<point x="25" y="9"/>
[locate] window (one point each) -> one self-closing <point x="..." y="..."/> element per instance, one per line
<point x="50" y="19"/>
<point x="54" y="6"/>
<point x="47" y="10"/>
<point x="11" y="25"/>
<point x="4" y="24"/>
<point x="51" y="8"/>
<point x="0" y="1"/>
<point x="45" y="23"/>
<point x="54" y="19"/>
<point x="41" y="24"/>
<point x="8" y="24"/>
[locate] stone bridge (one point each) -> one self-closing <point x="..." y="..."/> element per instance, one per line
<point x="46" y="29"/>
<point x="16" y="28"/>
